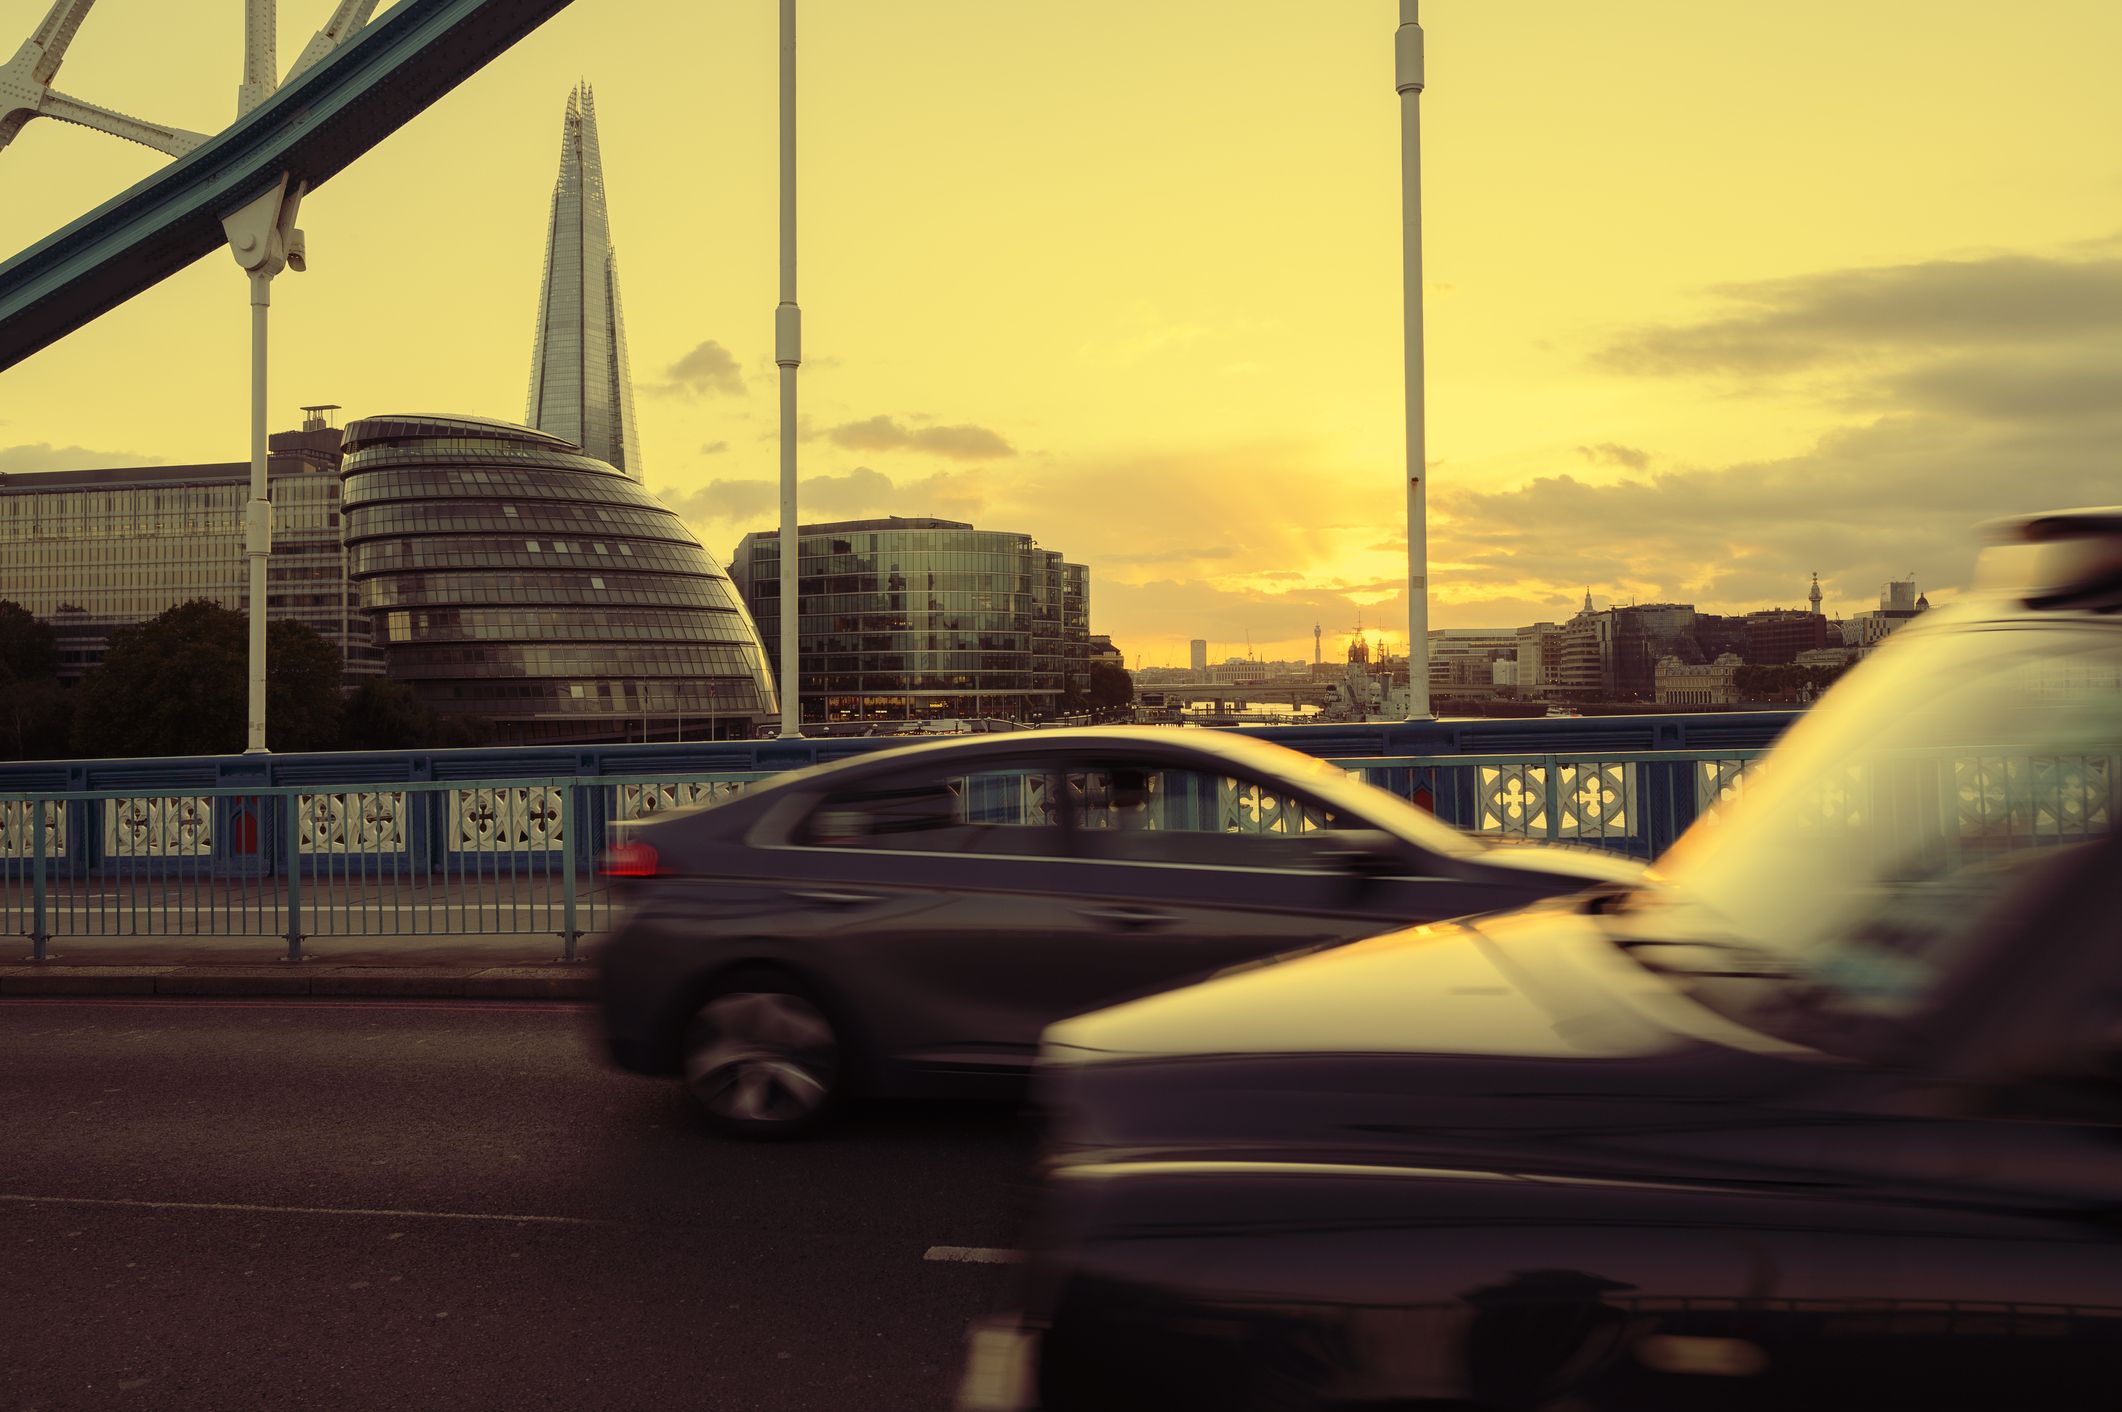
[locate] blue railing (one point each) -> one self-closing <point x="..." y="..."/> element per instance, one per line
<point x="449" y="843"/>
<point x="1534" y="736"/>
<point x="508" y="857"/>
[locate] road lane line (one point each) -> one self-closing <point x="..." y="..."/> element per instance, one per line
<point x="310" y="1002"/>
<point x="247" y="1209"/>
<point x="972" y="1255"/>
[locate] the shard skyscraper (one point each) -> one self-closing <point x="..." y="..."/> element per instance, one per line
<point x="581" y="386"/>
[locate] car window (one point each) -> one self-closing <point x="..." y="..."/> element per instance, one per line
<point x="1871" y="851"/>
<point x="1014" y="811"/>
<point x="1147" y="813"/>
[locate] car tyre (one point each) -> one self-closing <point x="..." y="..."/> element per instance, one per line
<point x="762" y="1057"/>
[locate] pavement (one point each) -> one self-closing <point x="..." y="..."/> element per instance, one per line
<point x="523" y="966"/>
<point x="442" y="1205"/>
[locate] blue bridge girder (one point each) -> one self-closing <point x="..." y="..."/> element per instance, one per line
<point x="313" y="128"/>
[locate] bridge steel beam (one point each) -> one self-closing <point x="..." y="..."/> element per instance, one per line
<point x="310" y="129"/>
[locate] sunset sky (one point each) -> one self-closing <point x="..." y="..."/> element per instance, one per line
<point x="1721" y="294"/>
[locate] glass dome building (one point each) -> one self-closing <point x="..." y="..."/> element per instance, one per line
<point x="514" y="581"/>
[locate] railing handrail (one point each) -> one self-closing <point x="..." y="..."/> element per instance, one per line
<point x="291" y="791"/>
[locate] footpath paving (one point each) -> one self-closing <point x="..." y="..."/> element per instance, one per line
<point x="474" y="967"/>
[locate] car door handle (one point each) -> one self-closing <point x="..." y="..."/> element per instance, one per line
<point x="1129" y="916"/>
<point x="834" y="899"/>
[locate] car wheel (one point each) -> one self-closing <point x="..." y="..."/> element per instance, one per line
<point x="762" y="1058"/>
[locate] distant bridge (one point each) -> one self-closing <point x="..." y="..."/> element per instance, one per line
<point x="1295" y="690"/>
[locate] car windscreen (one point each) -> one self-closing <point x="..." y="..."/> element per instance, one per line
<point x="1876" y="847"/>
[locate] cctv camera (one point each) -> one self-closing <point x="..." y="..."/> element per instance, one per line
<point x="297" y="252"/>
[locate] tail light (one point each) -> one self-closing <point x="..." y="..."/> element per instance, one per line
<point x="632" y="859"/>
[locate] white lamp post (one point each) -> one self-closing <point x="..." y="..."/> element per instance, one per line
<point x="1407" y="78"/>
<point x="263" y="238"/>
<point x="788" y="353"/>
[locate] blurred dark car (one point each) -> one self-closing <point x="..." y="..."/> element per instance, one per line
<point x="1824" y="1112"/>
<point x="908" y="922"/>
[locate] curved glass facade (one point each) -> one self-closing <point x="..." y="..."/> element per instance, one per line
<point x="906" y="619"/>
<point x="516" y="581"/>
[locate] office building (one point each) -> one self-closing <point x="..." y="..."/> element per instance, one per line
<point x="911" y="619"/>
<point x="1462" y="660"/>
<point x="1899" y="605"/>
<point x="1698" y="684"/>
<point x="581" y="386"/>
<point x="95" y="550"/>
<point x="1537" y="645"/>
<point x="1197" y="651"/>
<point x="1775" y="636"/>
<point x="516" y="581"/>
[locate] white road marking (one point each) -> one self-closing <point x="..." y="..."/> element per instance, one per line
<point x="248" y="1209"/>
<point x="973" y="1255"/>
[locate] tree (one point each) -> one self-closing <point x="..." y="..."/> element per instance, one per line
<point x="385" y="715"/>
<point x="303" y="673"/>
<point x="33" y="714"/>
<point x="1112" y="687"/>
<point x="29" y="651"/>
<point x="1783" y="682"/>
<point x="34" y="718"/>
<point x="178" y="684"/>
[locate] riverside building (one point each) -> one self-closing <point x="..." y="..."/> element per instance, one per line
<point x="522" y="584"/>
<point x="92" y="551"/>
<point x="923" y="619"/>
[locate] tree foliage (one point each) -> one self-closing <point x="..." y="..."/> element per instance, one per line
<point x="382" y="714"/>
<point x="1112" y="686"/>
<point x="29" y="650"/>
<point x="1786" y="682"/>
<point x="35" y="716"/>
<point x="33" y="707"/>
<point x="178" y="684"/>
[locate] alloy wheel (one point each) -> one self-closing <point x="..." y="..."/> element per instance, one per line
<point x="762" y="1060"/>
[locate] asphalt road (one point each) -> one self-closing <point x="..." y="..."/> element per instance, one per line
<point x="276" y="1205"/>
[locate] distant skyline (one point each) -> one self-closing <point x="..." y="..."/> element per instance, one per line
<point x="1334" y="645"/>
<point x="1719" y="296"/>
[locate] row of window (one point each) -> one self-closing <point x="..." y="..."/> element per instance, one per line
<point x="464" y="553"/>
<point x="968" y="659"/>
<point x="923" y="584"/>
<point x="701" y="699"/>
<point x="560" y="625"/>
<point x="767" y="603"/>
<point x="376" y="456"/>
<point x="378" y="487"/>
<point x="612" y="659"/>
<point x="909" y="643"/>
<point x="896" y="683"/>
<point x="612" y="586"/>
<point x="408" y="521"/>
<point x="458" y="437"/>
<point x="1029" y="567"/>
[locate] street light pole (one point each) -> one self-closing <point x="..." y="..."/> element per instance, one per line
<point x="263" y="238"/>
<point x="1408" y="79"/>
<point x="788" y="353"/>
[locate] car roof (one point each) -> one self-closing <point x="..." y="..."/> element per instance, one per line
<point x="970" y="752"/>
<point x="2059" y="559"/>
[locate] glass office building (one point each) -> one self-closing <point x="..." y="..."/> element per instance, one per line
<point x="95" y="550"/>
<point x="516" y="581"/>
<point x="912" y="619"/>
<point x="581" y="387"/>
